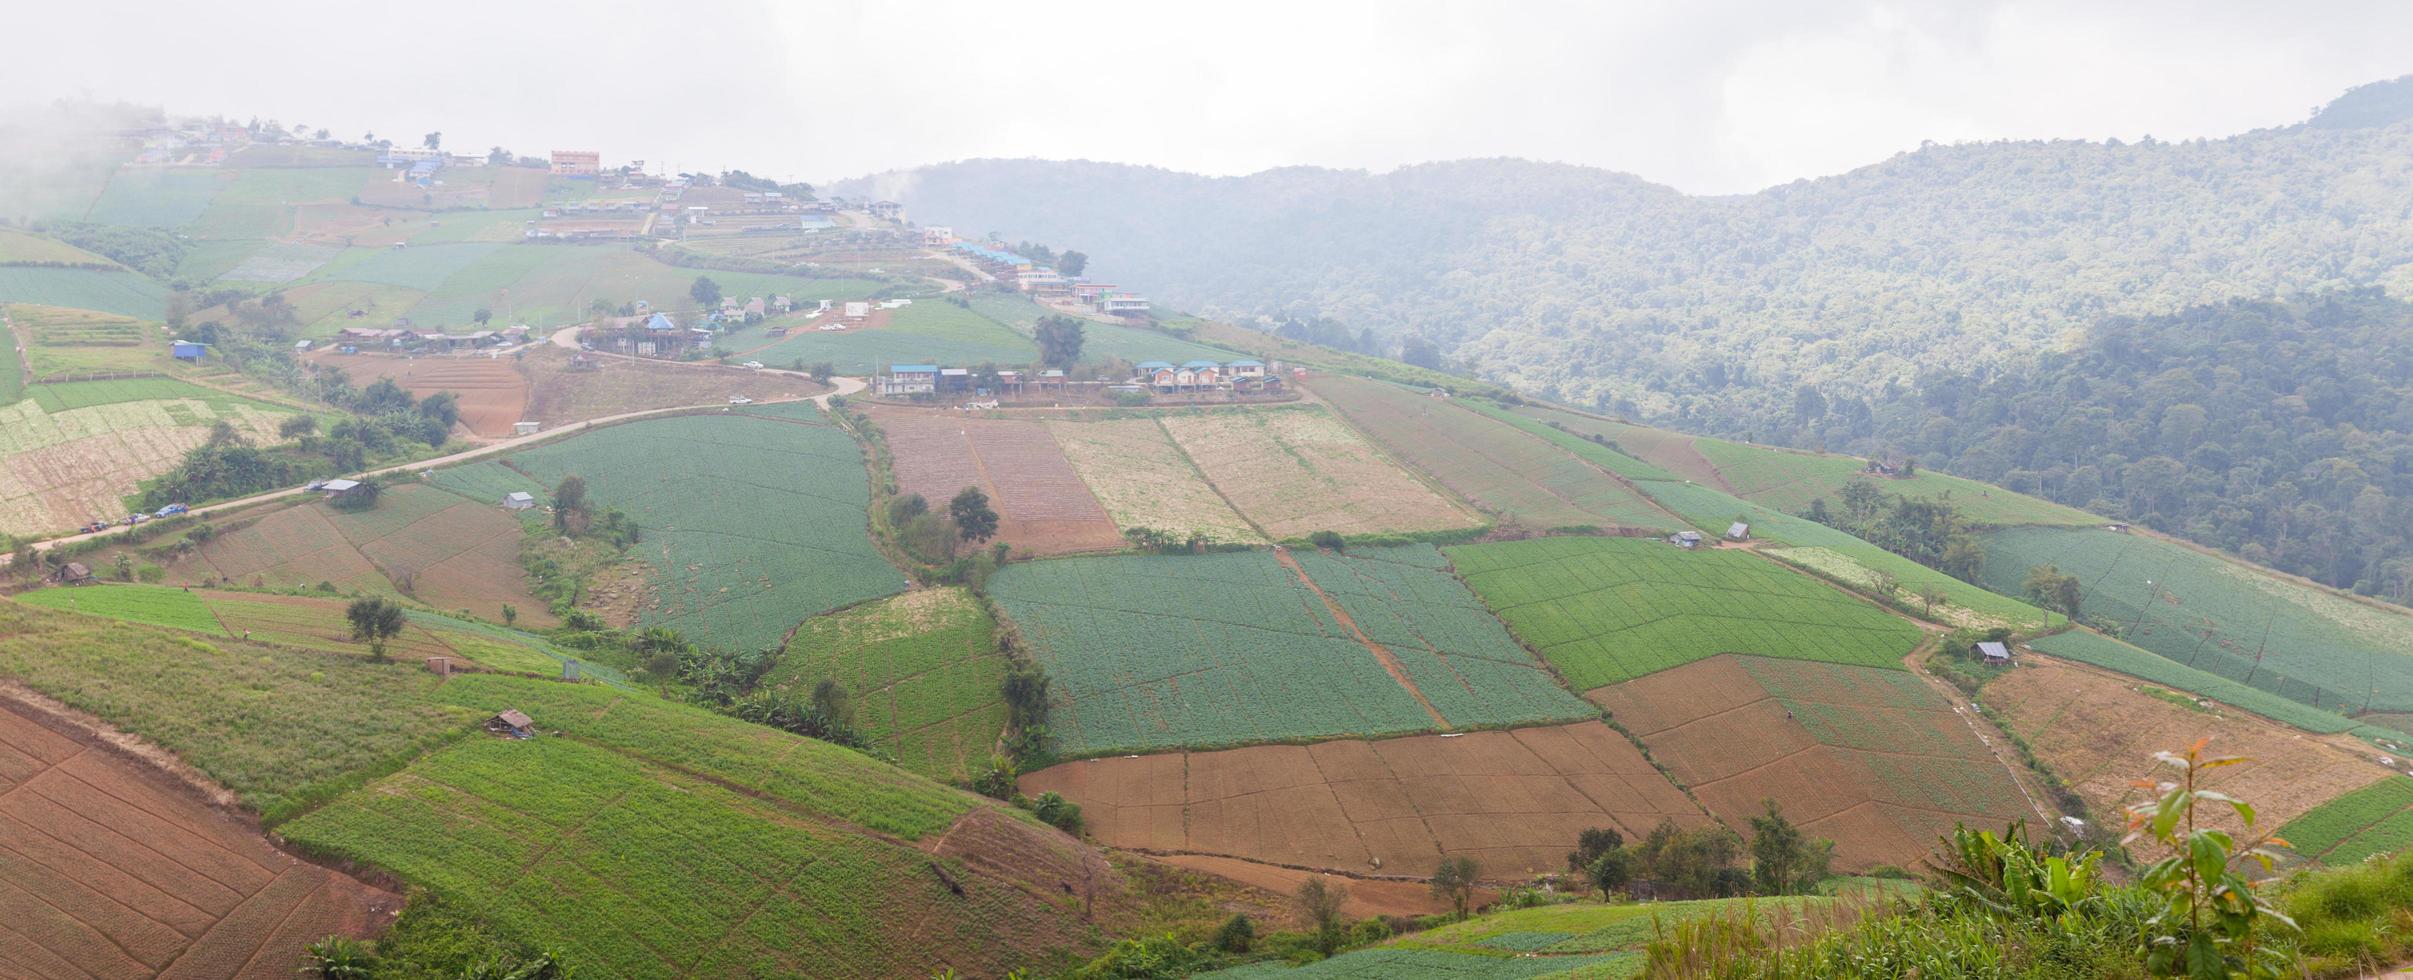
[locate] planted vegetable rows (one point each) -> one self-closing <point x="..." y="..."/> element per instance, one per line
<point x="924" y="671"/>
<point x="1604" y="610"/>
<point x="2376" y="819"/>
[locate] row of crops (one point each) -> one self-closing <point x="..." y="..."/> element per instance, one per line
<point x="2376" y="819"/>
<point x="2223" y="618"/>
<point x="2110" y="654"/>
<point x="1151" y="652"/>
<point x="751" y="524"/>
<point x="924" y="671"/>
<point x="1605" y="610"/>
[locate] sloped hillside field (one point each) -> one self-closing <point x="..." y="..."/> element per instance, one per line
<point x="2377" y="819"/>
<point x="924" y="671"/>
<point x="1871" y="758"/>
<point x="2220" y="616"/>
<point x="751" y="524"/>
<point x="1604" y="610"/>
<point x="1155" y="652"/>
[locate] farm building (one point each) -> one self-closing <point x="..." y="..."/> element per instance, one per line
<point x="1994" y="653"/>
<point x="1245" y="368"/>
<point x="857" y="309"/>
<point x="1122" y="304"/>
<point x="519" y="500"/>
<point x="525" y="428"/>
<point x="1685" y="539"/>
<point x="886" y="210"/>
<point x="1738" y="531"/>
<point x="186" y="350"/>
<point x="73" y="573"/>
<point x="512" y="722"/>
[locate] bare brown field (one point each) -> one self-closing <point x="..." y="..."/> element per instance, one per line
<point x="1865" y="756"/>
<point x="2099" y="732"/>
<point x="1144" y="480"/>
<point x="1513" y="800"/>
<point x="1296" y="471"/>
<point x="493" y="394"/>
<point x="560" y="394"/>
<point x="109" y="871"/>
<point x="1042" y="506"/>
<point x="1367" y="896"/>
<point x="442" y="549"/>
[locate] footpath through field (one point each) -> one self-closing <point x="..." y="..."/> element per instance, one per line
<point x="1390" y="664"/>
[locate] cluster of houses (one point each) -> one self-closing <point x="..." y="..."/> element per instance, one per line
<point x="1245" y="375"/>
<point x="1041" y="281"/>
<point x="406" y="338"/>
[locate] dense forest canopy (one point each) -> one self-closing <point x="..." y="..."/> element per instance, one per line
<point x="2198" y="335"/>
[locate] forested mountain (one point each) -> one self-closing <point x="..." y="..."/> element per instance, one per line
<point x="2197" y="335"/>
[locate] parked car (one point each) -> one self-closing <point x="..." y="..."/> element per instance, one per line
<point x="753" y="365"/>
<point x="314" y="484"/>
<point x="172" y="510"/>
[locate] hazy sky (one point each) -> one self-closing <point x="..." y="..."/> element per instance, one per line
<point x="1719" y="96"/>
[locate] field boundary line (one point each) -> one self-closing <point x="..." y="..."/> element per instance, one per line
<point x="87" y="927"/>
<point x="1382" y="654"/>
<point x="262" y="949"/>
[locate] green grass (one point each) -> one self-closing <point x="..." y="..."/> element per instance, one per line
<point x="158" y="605"/>
<point x="1391" y="963"/>
<point x="1099" y="341"/>
<point x="269" y="723"/>
<point x="72" y="342"/>
<point x="634" y="869"/>
<point x="2110" y="654"/>
<point x="927" y="332"/>
<point x="1839" y="555"/>
<point x="1597" y="454"/>
<point x="421" y="267"/>
<point x="259" y="203"/>
<point x="1517" y="476"/>
<point x="157" y="198"/>
<point x="120" y="291"/>
<point x="2224" y="617"/>
<point x="488" y="482"/>
<point x="66" y="396"/>
<point x="1156" y="652"/>
<point x="1605" y="610"/>
<point x="2373" y="820"/>
<point x="274" y="263"/>
<point x="20" y="247"/>
<point x="751" y="525"/>
<point x="1788" y="480"/>
<point x="924" y="673"/>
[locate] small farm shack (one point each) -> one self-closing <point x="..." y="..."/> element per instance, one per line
<point x="1994" y="653"/>
<point x="73" y="573"/>
<point x="512" y="723"/>
<point x="518" y="500"/>
<point x="1738" y="531"/>
<point x="1687" y="540"/>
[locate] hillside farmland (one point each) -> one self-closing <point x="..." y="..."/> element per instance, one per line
<point x="1145" y="480"/>
<point x="923" y="670"/>
<point x="1513" y="800"/>
<point x="1041" y="503"/>
<point x="1514" y="475"/>
<point x="1604" y="610"/>
<point x="492" y="393"/>
<point x="70" y="453"/>
<point x="1870" y="758"/>
<point x="1295" y="471"/>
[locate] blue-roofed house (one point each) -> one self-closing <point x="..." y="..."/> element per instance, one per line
<point x="660" y="323"/>
<point x="1160" y="374"/>
<point x="1201" y="373"/>
<point x="186" y="350"/>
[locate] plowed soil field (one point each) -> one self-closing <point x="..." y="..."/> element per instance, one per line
<point x="106" y="871"/>
<point x="451" y="552"/>
<point x="560" y="394"/>
<point x="1513" y="800"/>
<point x="493" y="393"/>
<point x="1042" y="505"/>
<point x="2100" y="731"/>
<point x="1871" y="758"/>
<point x="1296" y="471"/>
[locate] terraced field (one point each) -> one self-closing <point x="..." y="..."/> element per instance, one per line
<point x="492" y="394"/>
<point x="1143" y="479"/>
<point x="2095" y="649"/>
<point x="1517" y="476"/>
<point x="120" y="291"/>
<point x="71" y="453"/>
<point x="2223" y="617"/>
<point x="752" y="525"/>
<point x="1152" y="652"/>
<point x="1513" y="800"/>
<point x="924" y="671"/>
<point x="561" y="394"/>
<point x="1870" y="758"/>
<point x="65" y="343"/>
<point x="1296" y="471"/>
<point x="157" y="197"/>
<point x="1604" y="610"/>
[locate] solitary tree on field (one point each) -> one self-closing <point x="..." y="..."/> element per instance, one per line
<point x="1931" y="594"/>
<point x="974" y="521"/>
<point x="1455" y="880"/>
<point x="1320" y="904"/>
<point x="2046" y="586"/>
<point x="1784" y="861"/>
<point x="481" y="316"/>
<point x="1060" y="339"/>
<point x="569" y="505"/>
<point x="705" y="292"/>
<point x="375" y="619"/>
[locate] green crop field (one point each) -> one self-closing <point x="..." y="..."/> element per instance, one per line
<point x="259" y="203"/>
<point x="68" y="342"/>
<point x="158" y="605"/>
<point x="1515" y="475"/>
<point x="1593" y="452"/>
<point x="70" y="395"/>
<point x="1605" y="610"/>
<point x="549" y="283"/>
<point x="2102" y="651"/>
<point x="2377" y="819"/>
<point x="1154" y="652"/>
<point x="275" y="263"/>
<point x="488" y="482"/>
<point x="1099" y="341"/>
<point x="2224" y="617"/>
<point x="157" y="198"/>
<point x="924" y="671"/>
<point x="421" y="267"/>
<point x="927" y="332"/>
<point x="266" y="722"/>
<point x="1397" y="963"/>
<point x="120" y="291"/>
<point x="634" y="868"/>
<point x="1843" y="557"/>
<point x="1789" y="479"/>
<point x="1600" y="940"/>
<point x="26" y="248"/>
<point x="752" y="525"/>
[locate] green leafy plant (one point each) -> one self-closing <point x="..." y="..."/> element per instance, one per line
<point x="2213" y="923"/>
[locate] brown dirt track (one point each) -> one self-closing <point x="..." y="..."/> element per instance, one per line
<point x="1513" y="800"/>
<point x="493" y="393"/>
<point x="1899" y="770"/>
<point x="106" y="870"/>
<point x="2098" y="731"/>
<point x="1042" y="505"/>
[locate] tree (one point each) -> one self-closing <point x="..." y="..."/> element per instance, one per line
<point x="1420" y="351"/>
<point x="510" y="612"/>
<point x="974" y="521"/>
<point x="1072" y="263"/>
<point x="570" y="513"/>
<point x="1060" y="339"/>
<point x="1696" y="863"/>
<point x="1320" y="904"/>
<point x="1610" y="871"/>
<point x="359" y="498"/>
<point x="297" y="426"/>
<point x="2046" y="586"/>
<point x="1591" y="844"/>
<point x="903" y="508"/>
<point x="705" y="292"/>
<point x="125" y="567"/>
<point x="481" y="316"/>
<point x="433" y="141"/>
<point x="1930" y="595"/>
<point x="834" y="704"/>
<point x="1236" y="935"/>
<point x="375" y="619"/>
<point x="1454" y="880"/>
<point x="1784" y="861"/>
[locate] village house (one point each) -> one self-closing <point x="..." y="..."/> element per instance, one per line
<point x="938" y="236"/>
<point x="1122" y="304"/>
<point x="886" y="210"/>
<point x="577" y="163"/>
<point x="910" y="379"/>
<point x="1686" y="540"/>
